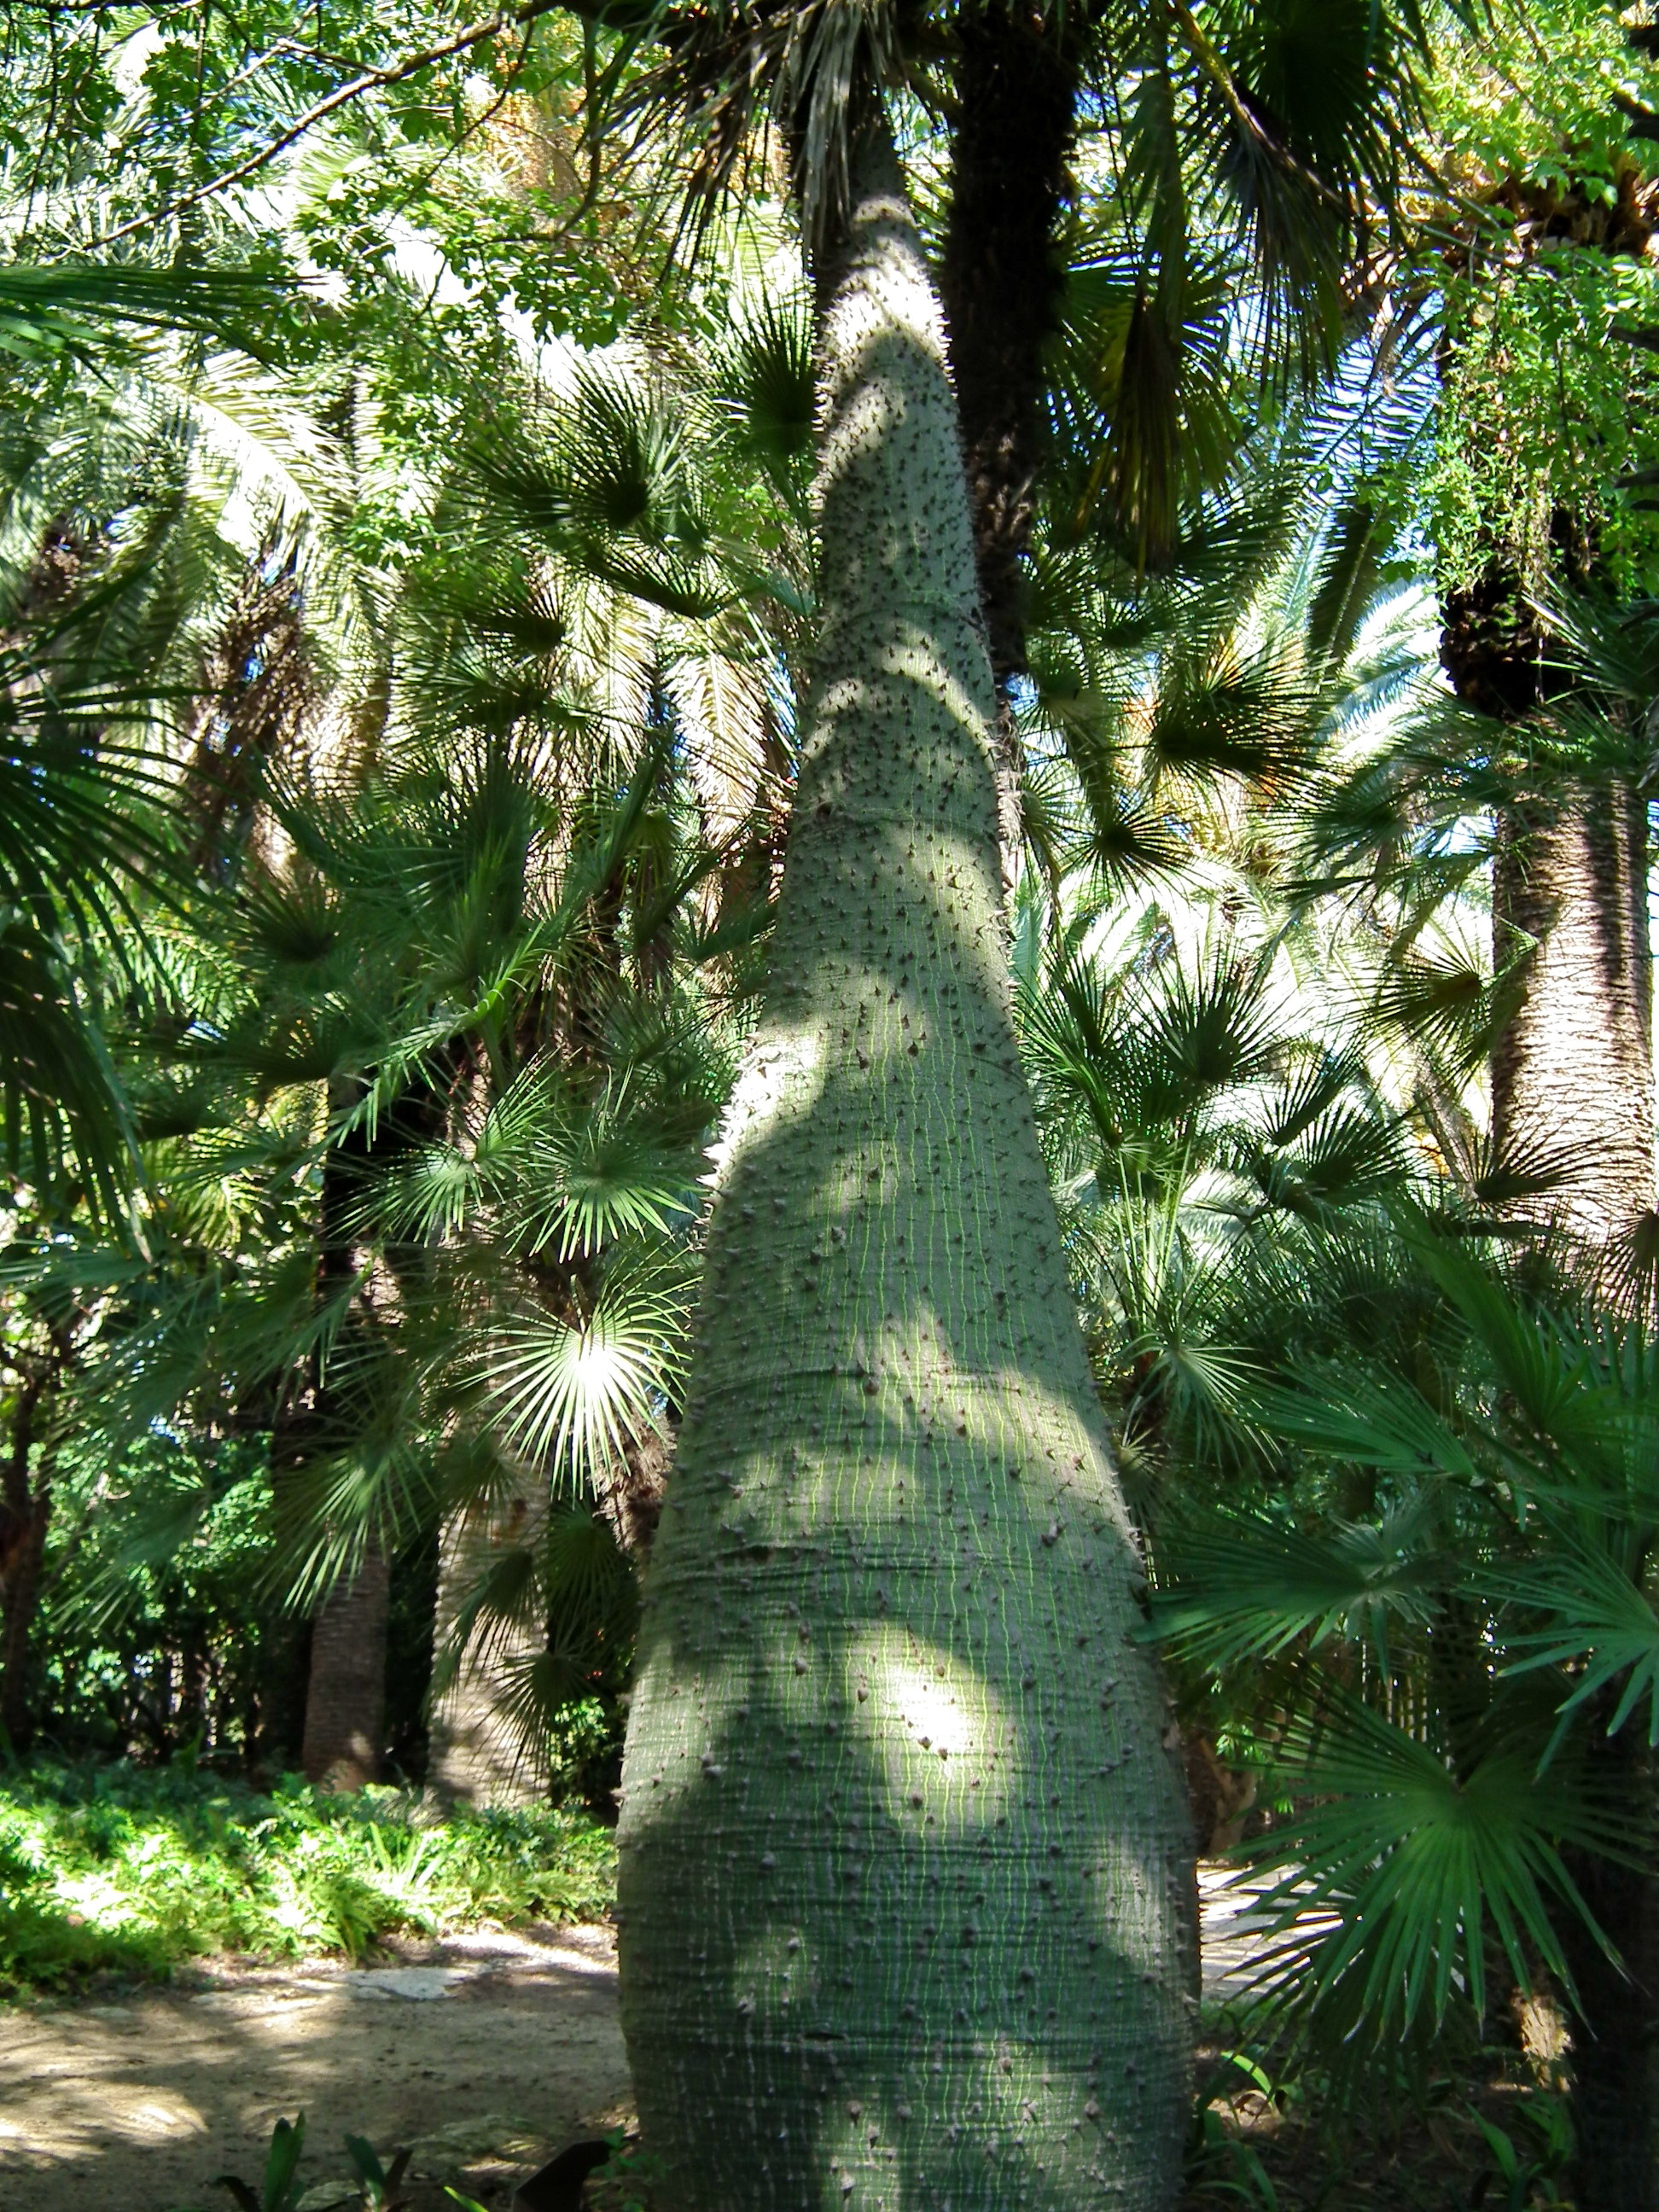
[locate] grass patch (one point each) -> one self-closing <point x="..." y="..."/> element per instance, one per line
<point x="134" y="1870"/>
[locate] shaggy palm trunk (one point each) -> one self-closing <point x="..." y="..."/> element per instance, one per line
<point x="345" y="1697"/>
<point x="1572" y="1073"/>
<point x="479" y="1755"/>
<point x="1573" y="1067"/>
<point x="905" y="1879"/>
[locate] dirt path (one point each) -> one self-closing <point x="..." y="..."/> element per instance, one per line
<point x="486" y="2053"/>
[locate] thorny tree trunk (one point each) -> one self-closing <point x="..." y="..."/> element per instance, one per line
<point x="905" y="1879"/>
<point x="24" y="1514"/>
<point x="346" y="1698"/>
<point x="1002" y="283"/>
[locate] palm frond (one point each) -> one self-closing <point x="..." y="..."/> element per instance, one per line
<point x="1241" y="1587"/>
<point x="571" y="1393"/>
<point x="1600" y="1622"/>
<point x="1410" y="1861"/>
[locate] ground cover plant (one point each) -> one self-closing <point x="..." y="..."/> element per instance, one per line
<point x="134" y="1871"/>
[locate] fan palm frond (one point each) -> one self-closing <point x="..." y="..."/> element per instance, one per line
<point x="571" y="1393"/>
<point x="1414" y="1860"/>
<point x="1241" y="1587"/>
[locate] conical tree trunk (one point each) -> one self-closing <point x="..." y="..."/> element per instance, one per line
<point x="345" y="1699"/>
<point x="1573" y="1068"/>
<point x="479" y="1755"/>
<point x="905" y="1879"/>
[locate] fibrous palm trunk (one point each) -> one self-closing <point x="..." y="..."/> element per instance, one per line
<point x="479" y="1754"/>
<point x="1573" y="1068"/>
<point x="1572" y="1075"/>
<point x="905" y="1878"/>
<point x="345" y="1697"/>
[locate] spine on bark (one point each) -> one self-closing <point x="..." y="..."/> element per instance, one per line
<point x="905" y="1879"/>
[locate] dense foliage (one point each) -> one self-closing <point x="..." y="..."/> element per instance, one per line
<point x="131" y="1871"/>
<point x="410" y="594"/>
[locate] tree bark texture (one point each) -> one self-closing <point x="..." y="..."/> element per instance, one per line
<point x="1573" y="1073"/>
<point x="25" y="1514"/>
<point x="1574" y="1066"/>
<point x="1572" y="1069"/>
<point x="345" y="1700"/>
<point x="1002" y="284"/>
<point x="478" y="1756"/>
<point x="906" y="1882"/>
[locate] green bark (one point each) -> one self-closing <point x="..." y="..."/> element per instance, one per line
<point x="905" y="1877"/>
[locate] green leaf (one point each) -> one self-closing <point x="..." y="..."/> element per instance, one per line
<point x="1602" y="1625"/>
<point x="1384" y="1425"/>
<point x="573" y="1392"/>
<point x="281" y="2189"/>
<point x="366" y="2164"/>
<point x="1396" y="1863"/>
<point x="1245" y="1586"/>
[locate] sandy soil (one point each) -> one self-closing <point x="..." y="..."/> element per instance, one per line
<point x="486" y="2053"/>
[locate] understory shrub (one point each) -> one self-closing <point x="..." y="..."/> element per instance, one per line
<point x="136" y="1869"/>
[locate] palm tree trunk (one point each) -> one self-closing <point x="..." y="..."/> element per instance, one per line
<point x="345" y="1694"/>
<point x="1573" y="1067"/>
<point x="1572" y="1074"/>
<point x="25" y="1513"/>
<point x="1017" y="83"/>
<point x="905" y="1879"/>
<point x="345" y="1698"/>
<point x="479" y="1755"/>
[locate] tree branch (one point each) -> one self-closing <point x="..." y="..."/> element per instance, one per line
<point x="375" y="80"/>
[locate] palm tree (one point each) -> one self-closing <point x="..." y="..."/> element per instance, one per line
<point x="1266" y="144"/>
<point x="1573" y="1067"/>
<point x="1574" y="1064"/>
<point x="474" y="981"/>
<point x="1444" y="1622"/>
<point x="107" y="564"/>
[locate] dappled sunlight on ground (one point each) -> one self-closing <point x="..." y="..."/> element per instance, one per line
<point x="486" y="2052"/>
